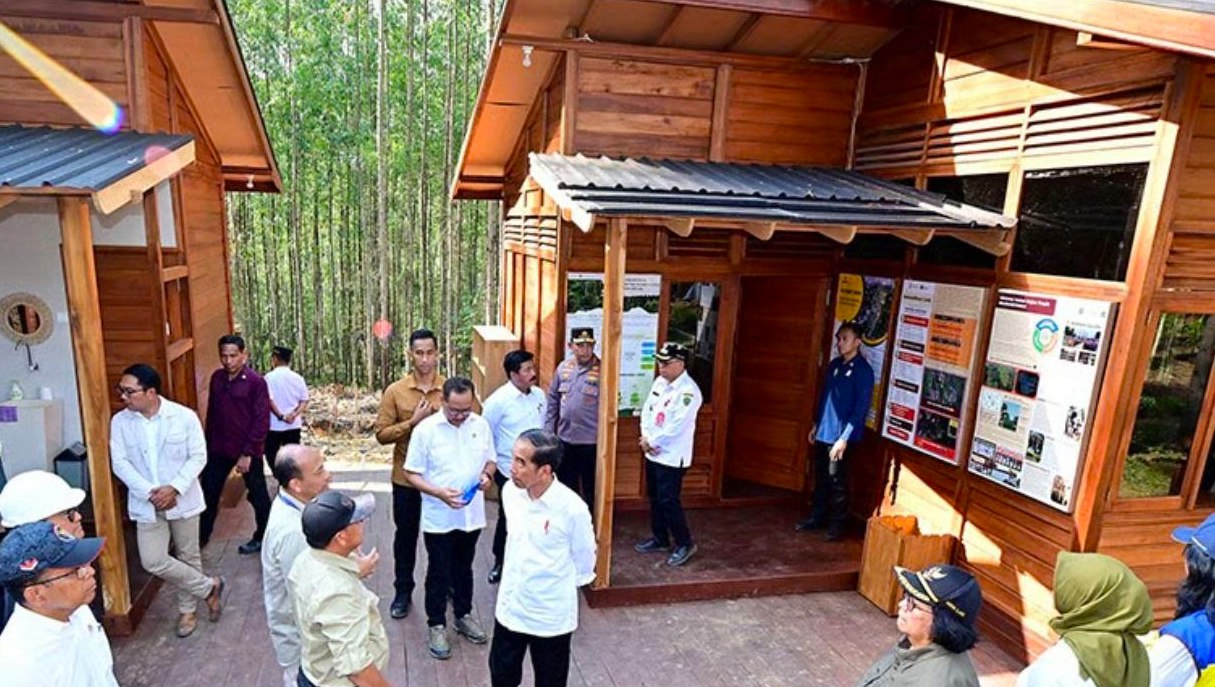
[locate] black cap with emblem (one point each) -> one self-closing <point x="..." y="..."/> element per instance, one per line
<point x="582" y="335"/>
<point x="673" y="351"/>
<point x="944" y="586"/>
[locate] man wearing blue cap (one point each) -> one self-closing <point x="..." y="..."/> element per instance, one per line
<point x="52" y="640"/>
<point x="1186" y="648"/>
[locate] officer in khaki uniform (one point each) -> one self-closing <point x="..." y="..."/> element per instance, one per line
<point x="572" y="413"/>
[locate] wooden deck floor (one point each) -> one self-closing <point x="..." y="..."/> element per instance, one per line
<point x="807" y="639"/>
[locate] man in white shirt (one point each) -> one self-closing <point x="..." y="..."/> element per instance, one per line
<point x="668" y="427"/>
<point x="301" y="475"/>
<point x="550" y="553"/>
<point x="514" y="408"/>
<point x="52" y="640"/>
<point x="451" y="462"/>
<point x="158" y="450"/>
<point x="288" y="402"/>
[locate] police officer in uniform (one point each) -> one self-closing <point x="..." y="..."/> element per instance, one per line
<point x="572" y="413"/>
<point x="668" y="426"/>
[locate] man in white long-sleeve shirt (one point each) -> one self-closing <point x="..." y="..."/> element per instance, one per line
<point x="550" y="552"/>
<point x="158" y="450"/>
<point x="301" y="474"/>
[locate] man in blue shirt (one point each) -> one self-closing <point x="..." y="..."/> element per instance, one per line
<point x="842" y="411"/>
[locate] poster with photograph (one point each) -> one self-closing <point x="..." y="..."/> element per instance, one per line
<point x="1038" y="391"/>
<point x="868" y="302"/>
<point x="639" y="328"/>
<point x="930" y="366"/>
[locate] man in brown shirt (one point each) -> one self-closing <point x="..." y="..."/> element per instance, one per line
<point x="405" y="403"/>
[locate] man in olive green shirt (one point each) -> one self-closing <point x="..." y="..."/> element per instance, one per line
<point x="342" y="637"/>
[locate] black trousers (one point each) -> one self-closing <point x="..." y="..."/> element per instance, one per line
<point x="303" y="681"/>
<point x="213" y="477"/>
<point x="550" y="658"/>
<point x="830" y="504"/>
<point x="500" y="529"/>
<point x="277" y="440"/>
<point x="449" y="569"/>
<point x="407" y="517"/>
<point x="577" y="470"/>
<point x="663" y="485"/>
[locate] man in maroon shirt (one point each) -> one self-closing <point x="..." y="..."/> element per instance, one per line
<point x="238" y="419"/>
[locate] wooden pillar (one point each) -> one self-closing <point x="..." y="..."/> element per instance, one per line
<point x="609" y="394"/>
<point x="84" y="313"/>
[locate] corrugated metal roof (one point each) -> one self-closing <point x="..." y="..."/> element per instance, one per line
<point x="773" y="193"/>
<point x="76" y="158"/>
<point x="1202" y="6"/>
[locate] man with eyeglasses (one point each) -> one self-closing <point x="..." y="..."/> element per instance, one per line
<point x="52" y="640"/>
<point x="451" y="462"/>
<point x="157" y="450"/>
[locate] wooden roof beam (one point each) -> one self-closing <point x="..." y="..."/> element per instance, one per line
<point x="582" y="219"/>
<point x="760" y="230"/>
<point x="655" y="53"/>
<point x="669" y="27"/>
<point x="91" y="10"/>
<point x="868" y="13"/>
<point x="7" y="199"/>
<point x="680" y="226"/>
<point x="992" y="241"/>
<point x="842" y="235"/>
<point x="917" y="237"/>
<point x="132" y="187"/>
<point x="744" y="32"/>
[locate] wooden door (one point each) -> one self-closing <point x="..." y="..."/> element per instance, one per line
<point x="776" y="350"/>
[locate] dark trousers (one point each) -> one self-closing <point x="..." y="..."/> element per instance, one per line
<point x="407" y="517"/>
<point x="550" y="658"/>
<point x="277" y="440"/>
<point x="449" y="569"/>
<point x="213" y="477"/>
<point x="667" y="521"/>
<point x="830" y="504"/>
<point x="500" y="529"/>
<point x="303" y="681"/>
<point x="577" y="470"/>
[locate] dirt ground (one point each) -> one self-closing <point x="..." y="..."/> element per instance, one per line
<point x="341" y="421"/>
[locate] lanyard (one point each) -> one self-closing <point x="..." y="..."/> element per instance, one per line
<point x="289" y="502"/>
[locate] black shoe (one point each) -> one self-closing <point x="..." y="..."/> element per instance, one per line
<point x="250" y="547"/>
<point x="401" y="604"/>
<point x="650" y="545"/>
<point x="495" y="573"/>
<point x="833" y="534"/>
<point x="681" y="555"/>
<point x="809" y="524"/>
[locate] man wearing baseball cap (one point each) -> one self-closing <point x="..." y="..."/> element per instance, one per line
<point x="572" y="413"/>
<point x="1185" y="651"/>
<point x="52" y="638"/>
<point x="342" y="637"/>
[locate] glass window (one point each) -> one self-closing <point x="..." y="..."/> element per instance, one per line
<point x="693" y="323"/>
<point x="1167" y="419"/>
<point x="1078" y="222"/>
<point x="981" y="190"/>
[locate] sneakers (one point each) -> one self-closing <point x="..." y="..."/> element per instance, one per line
<point x="650" y="545"/>
<point x="470" y="629"/>
<point x="436" y="643"/>
<point x="250" y="547"/>
<point x="681" y="555"/>
<point x="186" y="623"/>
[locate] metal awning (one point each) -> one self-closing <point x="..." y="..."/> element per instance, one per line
<point x="763" y="198"/>
<point x="114" y="169"/>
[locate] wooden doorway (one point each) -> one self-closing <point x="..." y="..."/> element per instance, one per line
<point x="776" y="354"/>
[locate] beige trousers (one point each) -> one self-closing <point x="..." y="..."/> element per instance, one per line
<point x="183" y="571"/>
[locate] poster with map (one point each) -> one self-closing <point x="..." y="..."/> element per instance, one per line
<point x="1039" y="385"/>
<point x="866" y="301"/>
<point x="639" y="328"/>
<point x="931" y="365"/>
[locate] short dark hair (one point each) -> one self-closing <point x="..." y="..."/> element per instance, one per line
<point x="1197" y="590"/>
<point x="282" y="353"/>
<point x="421" y="335"/>
<point x="849" y="327"/>
<point x="145" y="374"/>
<point x="515" y="359"/>
<point x="549" y="450"/>
<point x="285" y="467"/>
<point x="232" y="340"/>
<point x="457" y="385"/>
<point x="950" y="632"/>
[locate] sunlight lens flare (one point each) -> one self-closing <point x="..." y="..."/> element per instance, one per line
<point x="91" y="104"/>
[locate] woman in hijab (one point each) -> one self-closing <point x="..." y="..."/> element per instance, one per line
<point x="1186" y="647"/>
<point x="1102" y="608"/>
<point x="937" y="620"/>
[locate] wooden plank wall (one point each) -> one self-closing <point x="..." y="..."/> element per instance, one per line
<point x="790" y="118"/>
<point x="91" y="49"/>
<point x="128" y="316"/>
<point x="1191" y="258"/>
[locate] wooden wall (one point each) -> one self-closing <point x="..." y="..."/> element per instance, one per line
<point x="128" y="316"/>
<point x="1191" y="255"/>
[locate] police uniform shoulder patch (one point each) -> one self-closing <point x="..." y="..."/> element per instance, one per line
<point x="687" y="398"/>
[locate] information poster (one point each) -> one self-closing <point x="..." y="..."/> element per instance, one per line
<point x="867" y="302"/>
<point x="1039" y="382"/>
<point x="930" y="368"/>
<point x="639" y="328"/>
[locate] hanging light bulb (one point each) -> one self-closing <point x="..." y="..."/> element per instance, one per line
<point x="527" y="55"/>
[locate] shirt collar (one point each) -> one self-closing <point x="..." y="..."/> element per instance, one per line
<point x="340" y="562"/>
<point x="286" y="496"/>
<point x="43" y="624"/>
<point x="415" y="384"/>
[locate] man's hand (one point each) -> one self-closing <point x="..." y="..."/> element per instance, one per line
<point x="163" y="498"/>
<point x="454" y="498"/>
<point x="648" y="449"/>
<point x="837" y="449"/>
<point x="486" y="480"/>
<point x="810" y="436"/>
<point x="243" y="463"/>
<point x="422" y="411"/>
<point x="367" y="562"/>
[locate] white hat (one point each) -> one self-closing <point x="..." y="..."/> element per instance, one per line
<point x="36" y="495"/>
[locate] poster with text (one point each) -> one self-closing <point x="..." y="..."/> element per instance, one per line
<point x="867" y="301"/>
<point x="639" y="328"/>
<point x="1039" y="384"/>
<point x="930" y="366"/>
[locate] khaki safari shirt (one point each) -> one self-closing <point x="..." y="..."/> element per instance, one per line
<point x="341" y="632"/>
<point x="396" y="407"/>
<point x="572" y="412"/>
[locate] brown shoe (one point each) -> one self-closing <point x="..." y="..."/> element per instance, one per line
<point x="186" y="623"/>
<point x="215" y="600"/>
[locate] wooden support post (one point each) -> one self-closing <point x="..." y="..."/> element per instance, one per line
<point x="84" y="314"/>
<point x="609" y="393"/>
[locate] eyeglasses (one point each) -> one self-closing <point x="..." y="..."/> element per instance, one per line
<point x="456" y="412"/>
<point x="125" y="391"/>
<point x="911" y="604"/>
<point x="80" y="572"/>
<point x="71" y="514"/>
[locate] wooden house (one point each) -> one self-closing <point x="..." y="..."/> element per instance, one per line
<point x="115" y="231"/>
<point x="785" y="154"/>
